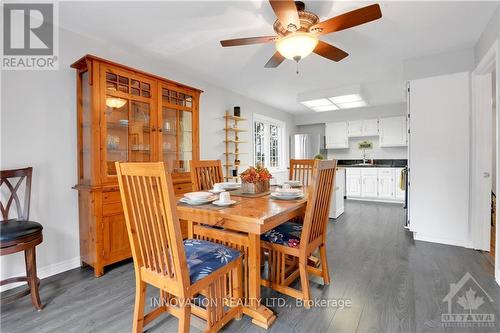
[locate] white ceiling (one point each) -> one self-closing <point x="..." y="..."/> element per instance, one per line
<point x="187" y="33"/>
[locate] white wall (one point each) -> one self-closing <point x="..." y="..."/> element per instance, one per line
<point x="304" y="125"/>
<point x="438" y="64"/>
<point x="439" y="151"/>
<point x="38" y="128"/>
<point x="488" y="37"/>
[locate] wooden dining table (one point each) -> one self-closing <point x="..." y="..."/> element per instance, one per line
<point x="242" y="225"/>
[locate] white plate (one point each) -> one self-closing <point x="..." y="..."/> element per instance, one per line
<point x="288" y="191"/>
<point x="198" y="195"/>
<point x="230" y="185"/>
<point x="198" y="202"/>
<point x="216" y="192"/>
<point x="223" y="204"/>
<point x="288" y="197"/>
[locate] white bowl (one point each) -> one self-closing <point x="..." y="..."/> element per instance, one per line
<point x="293" y="183"/>
<point x="198" y="195"/>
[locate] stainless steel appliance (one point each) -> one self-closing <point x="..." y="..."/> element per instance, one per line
<point x="305" y="146"/>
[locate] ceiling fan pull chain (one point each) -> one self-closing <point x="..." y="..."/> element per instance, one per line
<point x="297" y="71"/>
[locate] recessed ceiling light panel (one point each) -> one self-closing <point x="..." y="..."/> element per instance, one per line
<point x="351" y="105"/>
<point x="316" y="102"/>
<point x="346" y="98"/>
<point x="325" y="108"/>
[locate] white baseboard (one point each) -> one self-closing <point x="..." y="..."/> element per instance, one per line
<point x="497" y="276"/>
<point x="44" y="272"/>
<point x="426" y="238"/>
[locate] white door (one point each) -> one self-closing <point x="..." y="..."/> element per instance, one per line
<point x="355" y="128"/>
<point x="386" y="183"/>
<point x="336" y="135"/>
<point x="353" y="182"/>
<point x="393" y="131"/>
<point x="370" y="127"/>
<point x="439" y="164"/>
<point x="399" y="191"/>
<point x="369" y="183"/>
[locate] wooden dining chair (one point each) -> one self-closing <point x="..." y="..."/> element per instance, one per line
<point x="182" y="270"/>
<point x="204" y="174"/>
<point x="301" y="170"/>
<point x="19" y="233"/>
<point x="301" y="240"/>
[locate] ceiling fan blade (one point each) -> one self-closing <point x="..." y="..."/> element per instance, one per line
<point x="275" y="60"/>
<point x="248" y="41"/>
<point x="287" y="14"/>
<point x="329" y="51"/>
<point x="348" y="20"/>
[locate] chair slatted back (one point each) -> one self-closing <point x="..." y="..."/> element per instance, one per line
<point x="153" y="227"/>
<point x="204" y="174"/>
<point x="8" y="177"/>
<point x="318" y="204"/>
<point x="301" y="170"/>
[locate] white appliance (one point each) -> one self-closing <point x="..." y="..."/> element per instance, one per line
<point x="337" y="203"/>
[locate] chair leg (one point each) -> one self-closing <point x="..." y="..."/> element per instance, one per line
<point x="140" y="298"/>
<point x="30" y="261"/>
<point x="304" y="282"/>
<point x="237" y="283"/>
<point x="324" y="264"/>
<point x="185" y="319"/>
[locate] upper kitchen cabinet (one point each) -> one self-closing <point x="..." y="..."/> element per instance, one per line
<point x="360" y="128"/>
<point x="370" y="127"/>
<point x="336" y="135"/>
<point x="393" y="132"/>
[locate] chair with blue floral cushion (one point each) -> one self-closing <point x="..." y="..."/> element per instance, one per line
<point x="184" y="271"/>
<point x="299" y="241"/>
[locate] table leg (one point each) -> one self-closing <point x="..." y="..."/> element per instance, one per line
<point x="262" y="316"/>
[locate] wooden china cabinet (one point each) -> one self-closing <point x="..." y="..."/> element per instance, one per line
<point x="126" y="115"/>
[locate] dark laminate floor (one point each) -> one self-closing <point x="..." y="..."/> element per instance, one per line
<point x="393" y="283"/>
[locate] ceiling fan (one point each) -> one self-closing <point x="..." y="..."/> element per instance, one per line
<point x="298" y="31"/>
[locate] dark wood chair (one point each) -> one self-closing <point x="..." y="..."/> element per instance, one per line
<point x="19" y="233"/>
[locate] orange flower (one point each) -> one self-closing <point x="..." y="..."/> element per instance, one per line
<point x="254" y="175"/>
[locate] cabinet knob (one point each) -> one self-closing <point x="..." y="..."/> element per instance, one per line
<point x="160" y="130"/>
<point x="153" y="129"/>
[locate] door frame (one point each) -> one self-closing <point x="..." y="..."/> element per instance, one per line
<point x="480" y="225"/>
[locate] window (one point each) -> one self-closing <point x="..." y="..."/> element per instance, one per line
<point x="268" y="142"/>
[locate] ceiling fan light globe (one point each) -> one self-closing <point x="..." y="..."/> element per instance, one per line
<point x="115" y="103"/>
<point x="298" y="44"/>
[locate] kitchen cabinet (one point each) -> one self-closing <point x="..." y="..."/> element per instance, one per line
<point x="353" y="182"/>
<point x="370" y="127"/>
<point x="361" y="128"/>
<point x="374" y="184"/>
<point x="336" y="135"/>
<point x="337" y="204"/>
<point x="393" y="132"/>
<point x="386" y="183"/>
<point x="355" y="128"/>
<point x="369" y="187"/>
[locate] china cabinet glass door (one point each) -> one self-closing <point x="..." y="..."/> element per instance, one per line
<point x="128" y="105"/>
<point x="176" y="139"/>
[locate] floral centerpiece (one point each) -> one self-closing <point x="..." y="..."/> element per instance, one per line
<point x="255" y="180"/>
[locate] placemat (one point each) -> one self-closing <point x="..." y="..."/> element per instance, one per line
<point x="239" y="193"/>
